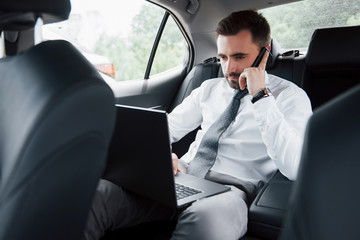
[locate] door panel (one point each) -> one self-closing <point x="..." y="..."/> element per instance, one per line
<point x="156" y="92"/>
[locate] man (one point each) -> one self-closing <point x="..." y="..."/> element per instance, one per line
<point x="266" y="135"/>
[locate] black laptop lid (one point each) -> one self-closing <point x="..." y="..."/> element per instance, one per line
<point x="139" y="145"/>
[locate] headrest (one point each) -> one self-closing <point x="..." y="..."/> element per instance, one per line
<point x="334" y="46"/>
<point x="22" y="14"/>
<point x="275" y="52"/>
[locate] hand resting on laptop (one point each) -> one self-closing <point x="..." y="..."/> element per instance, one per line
<point x="178" y="164"/>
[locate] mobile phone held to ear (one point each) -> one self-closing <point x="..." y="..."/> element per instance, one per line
<point x="259" y="57"/>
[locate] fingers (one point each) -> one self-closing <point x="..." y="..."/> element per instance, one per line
<point x="175" y="160"/>
<point x="253" y="74"/>
<point x="176" y="170"/>
<point x="242" y="80"/>
<point x="262" y="64"/>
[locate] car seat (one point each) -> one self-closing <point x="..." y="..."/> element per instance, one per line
<point x="332" y="63"/>
<point x="326" y="196"/>
<point x="56" y="121"/>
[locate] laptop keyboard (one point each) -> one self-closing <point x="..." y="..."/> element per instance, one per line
<point x="183" y="191"/>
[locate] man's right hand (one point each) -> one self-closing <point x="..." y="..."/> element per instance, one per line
<point x="175" y="160"/>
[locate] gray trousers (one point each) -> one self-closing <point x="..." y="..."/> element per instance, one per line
<point x="223" y="216"/>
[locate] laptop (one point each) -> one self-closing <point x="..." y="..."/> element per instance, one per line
<point x="139" y="160"/>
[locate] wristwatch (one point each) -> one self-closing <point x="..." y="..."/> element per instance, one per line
<point x="262" y="94"/>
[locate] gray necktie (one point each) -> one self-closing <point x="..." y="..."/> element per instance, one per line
<point x="205" y="157"/>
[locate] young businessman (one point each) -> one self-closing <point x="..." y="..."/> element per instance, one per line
<point x="265" y="136"/>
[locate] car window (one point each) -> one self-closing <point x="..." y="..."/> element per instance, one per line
<point x="118" y="38"/>
<point x="172" y="50"/>
<point x="292" y="25"/>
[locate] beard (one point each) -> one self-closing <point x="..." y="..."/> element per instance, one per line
<point x="233" y="79"/>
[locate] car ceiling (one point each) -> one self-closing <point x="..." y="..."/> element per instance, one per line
<point x="200" y="25"/>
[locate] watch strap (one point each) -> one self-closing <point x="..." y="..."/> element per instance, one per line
<point x="263" y="93"/>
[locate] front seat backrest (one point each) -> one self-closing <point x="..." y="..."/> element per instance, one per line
<point x="325" y="201"/>
<point x="332" y="63"/>
<point x="56" y="121"/>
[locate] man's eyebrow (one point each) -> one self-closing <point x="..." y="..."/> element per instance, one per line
<point x="239" y="54"/>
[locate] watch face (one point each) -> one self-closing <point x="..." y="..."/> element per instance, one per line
<point x="262" y="94"/>
<point x="267" y="92"/>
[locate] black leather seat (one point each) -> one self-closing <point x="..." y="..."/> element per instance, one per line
<point x="332" y="63"/>
<point x="325" y="201"/>
<point x="56" y="121"/>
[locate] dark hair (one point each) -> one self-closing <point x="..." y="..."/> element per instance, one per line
<point x="249" y="20"/>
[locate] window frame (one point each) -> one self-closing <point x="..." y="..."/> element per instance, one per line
<point x="155" y="45"/>
<point x="157" y="40"/>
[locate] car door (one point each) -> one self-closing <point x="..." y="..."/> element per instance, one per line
<point x="160" y="67"/>
<point x="137" y="46"/>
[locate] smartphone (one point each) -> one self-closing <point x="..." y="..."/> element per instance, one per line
<point x="259" y="57"/>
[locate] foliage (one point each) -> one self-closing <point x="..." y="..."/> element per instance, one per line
<point x="171" y="49"/>
<point x="130" y="55"/>
<point x="292" y="26"/>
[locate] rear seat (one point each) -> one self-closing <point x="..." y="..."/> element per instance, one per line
<point x="289" y="65"/>
<point x="210" y="68"/>
<point x="331" y="66"/>
<point x="332" y="63"/>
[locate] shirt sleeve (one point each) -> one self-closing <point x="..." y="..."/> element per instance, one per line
<point x="282" y="121"/>
<point x="185" y="117"/>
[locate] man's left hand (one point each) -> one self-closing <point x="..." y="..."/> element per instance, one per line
<point x="254" y="77"/>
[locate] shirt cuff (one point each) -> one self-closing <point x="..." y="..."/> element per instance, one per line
<point x="266" y="112"/>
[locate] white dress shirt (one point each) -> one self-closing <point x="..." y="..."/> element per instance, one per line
<point x="264" y="137"/>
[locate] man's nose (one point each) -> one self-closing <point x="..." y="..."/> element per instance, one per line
<point x="230" y="66"/>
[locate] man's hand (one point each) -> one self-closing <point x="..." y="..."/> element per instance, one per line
<point x="175" y="160"/>
<point x="254" y="77"/>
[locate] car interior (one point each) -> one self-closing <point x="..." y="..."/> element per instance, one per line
<point x="268" y="210"/>
<point x="58" y="115"/>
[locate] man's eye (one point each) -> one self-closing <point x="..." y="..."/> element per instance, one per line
<point x="222" y="57"/>
<point x="239" y="57"/>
